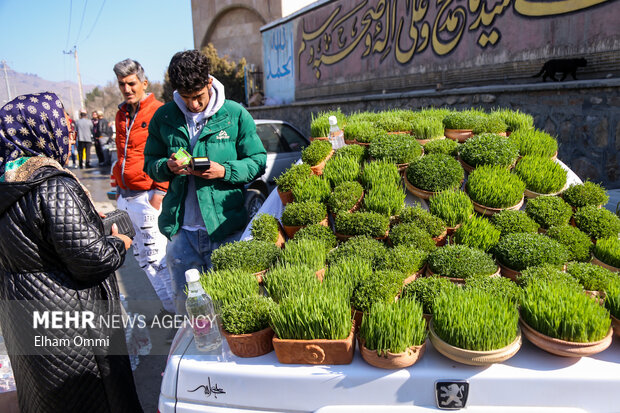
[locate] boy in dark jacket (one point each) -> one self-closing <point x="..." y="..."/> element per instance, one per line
<point x="203" y="208"/>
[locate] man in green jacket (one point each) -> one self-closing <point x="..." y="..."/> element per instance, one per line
<point x="202" y="209"/>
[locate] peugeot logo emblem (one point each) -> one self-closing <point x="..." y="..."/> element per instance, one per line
<point x="451" y="394"/>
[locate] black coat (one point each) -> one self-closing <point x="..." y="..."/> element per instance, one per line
<point x="54" y="253"/>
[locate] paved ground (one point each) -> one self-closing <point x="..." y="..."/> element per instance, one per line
<point x="139" y="293"/>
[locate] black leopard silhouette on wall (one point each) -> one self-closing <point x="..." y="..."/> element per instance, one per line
<point x="564" y="66"/>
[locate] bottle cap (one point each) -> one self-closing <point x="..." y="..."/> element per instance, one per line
<point x="192" y="275"/>
<point x="332" y="120"/>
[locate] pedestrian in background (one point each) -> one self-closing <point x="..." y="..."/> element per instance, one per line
<point x="84" y="129"/>
<point x="103" y="137"/>
<point x="202" y="209"/>
<point x="55" y="256"/>
<point x="137" y="193"/>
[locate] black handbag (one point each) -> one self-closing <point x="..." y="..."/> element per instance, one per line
<point x="121" y="219"/>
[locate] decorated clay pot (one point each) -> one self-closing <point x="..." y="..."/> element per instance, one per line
<point x="459" y="135"/>
<point x="388" y="360"/>
<point x="488" y="211"/>
<point x="291" y="351"/>
<point x="250" y="345"/>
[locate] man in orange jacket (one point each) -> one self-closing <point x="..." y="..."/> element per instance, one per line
<point x="137" y="193"/>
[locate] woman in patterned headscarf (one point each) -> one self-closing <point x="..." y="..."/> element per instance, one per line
<point x="54" y="256"/>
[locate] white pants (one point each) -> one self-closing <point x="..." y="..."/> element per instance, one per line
<point x="149" y="245"/>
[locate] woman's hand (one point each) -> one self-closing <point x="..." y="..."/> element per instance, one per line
<point x="123" y="237"/>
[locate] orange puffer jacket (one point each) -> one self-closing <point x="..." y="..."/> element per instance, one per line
<point x="130" y="140"/>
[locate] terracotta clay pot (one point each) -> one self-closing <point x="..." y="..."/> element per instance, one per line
<point x="414" y="276"/>
<point x="488" y="211"/>
<point x="285" y="197"/>
<point x="615" y="324"/>
<point x="474" y="357"/>
<point x="259" y="276"/>
<point x="531" y="194"/>
<point x="440" y="240"/>
<point x="281" y="240"/>
<point x="357" y="316"/>
<point x="509" y="272"/>
<point x="362" y="143"/>
<point x="465" y="165"/>
<point x="250" y="345"/>
<point x="319" y="138"/>
<point x="600" y="263"/>
<point x="459" y="135"/>
<point x="291" y="230"/>
<point x="389" y="360"/>
<point x="562" y="347"/>
<point x="420" y="193"/>
<point x="290" y="351"/>
<point x="318" y="169"/>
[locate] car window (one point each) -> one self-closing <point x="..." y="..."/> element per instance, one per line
<point x="270" y="139"/>
<point x="295" y="141"/>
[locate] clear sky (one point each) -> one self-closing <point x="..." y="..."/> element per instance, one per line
<point x="35" y="33"/>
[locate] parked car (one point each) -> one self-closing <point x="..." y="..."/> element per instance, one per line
<point x="283" y="143"/>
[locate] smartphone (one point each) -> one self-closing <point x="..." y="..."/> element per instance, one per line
<point x="183" y="156"/>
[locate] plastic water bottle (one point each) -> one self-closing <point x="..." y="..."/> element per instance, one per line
<point x="201" y="313"/>
<point x="336" y="136"/>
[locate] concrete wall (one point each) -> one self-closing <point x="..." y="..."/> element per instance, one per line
<point x="583" y="115"/>
<point x="233" y="26"/>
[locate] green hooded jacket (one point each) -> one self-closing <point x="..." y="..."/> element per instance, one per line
<point x="228" y="138"/>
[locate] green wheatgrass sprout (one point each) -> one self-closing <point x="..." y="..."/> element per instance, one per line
<point x="387" y="199"/>
<point x="248" y="315"/>
<point x="608" y="251"/>
<point x="422" y="218"/>
<point x="364" y="132"/>
<point x="453" y="206"/>
<point x="426" y="128"/>
<point x="435" y="172"/>
<point x="501" y="287"/>
<point x="293" y="176"/>
<point x="548" y="211"/>
<point x="303" y="213"/>
<point x="463" y="120"/>
<point x="319" y="125"/>
<point x="541" y="175"/>
<point x="399" y="149"/>
<point x="494" y="187"/>
<point x="316" y="152"/>
<point x="549" y="274"/>
<point x="490" y="124"/>
<point x="229" y="286"/>
<point x="488" y="149"/>
<point x="612" y="300"/>
<point x="404" y="259"/>
<point x="509" y="221"/>
<point x="381" y="286"/>
<point x="363" y="117"/>
<point x="436" y="113"/>
<point x="345" y="196"/>
<point x="393" y="327"/>
<point x="368" y="223"/>
<point x="521" y="250"/>
<point x="314" y="189"/>
<point x="357" y="152"/>
<point x="283" y="281"/>
<point x="411" y="235"/>
<point x="311" y="253"/>
<point x="380" y="172"/>
<point x="394" y="120"/>
<point x="342" y="169"/>
<point x="265" y="228"/>
<point x="560" y="311"/>
<point x="592" y="277"/>
<point x="477" y="232"/>
<point x="346" y="274"/>
<point x="460" y="261"/>
<point x="251" y="256"/>
<point x="577" y="243"/>
<point x="320" y="314"/>
<point x="425" y="289"/>
<point x="587" y="193"/>
<point x="444" y="146"/>
<point x="362" y="247"/>
<point x="515" y="119"/>
<point x="534" y="142"/>
<point x="475" y="320"/>
<point x="317" y="232"/>
<point x="597" y="222"/>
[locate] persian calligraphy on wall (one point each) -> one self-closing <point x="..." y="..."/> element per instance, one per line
<point x="395" y="32"/>
<point x="279" y="68"/>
